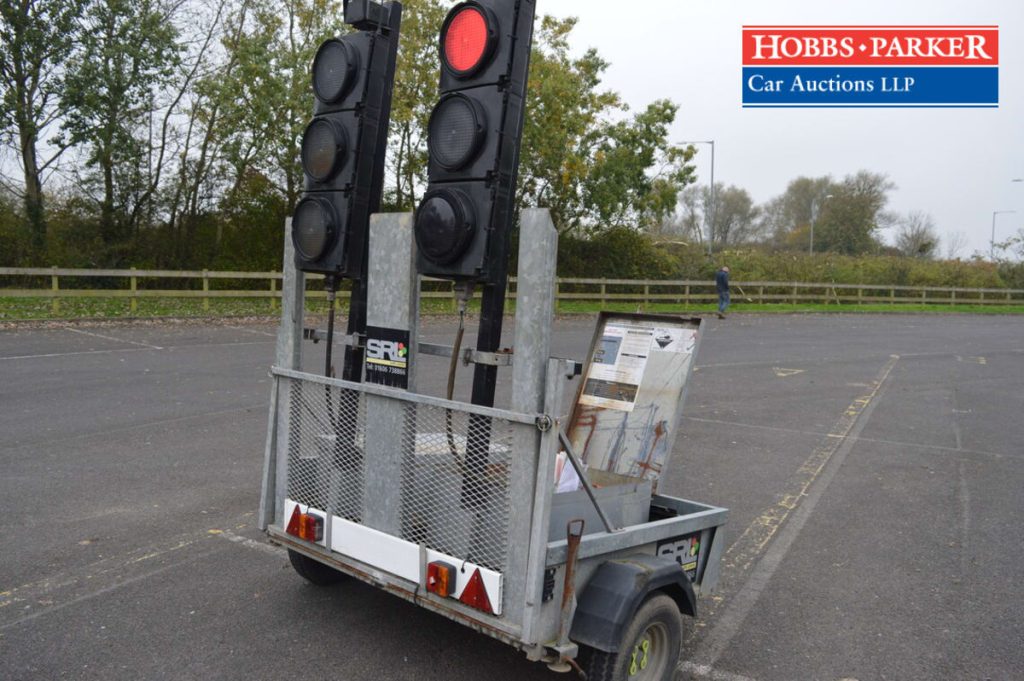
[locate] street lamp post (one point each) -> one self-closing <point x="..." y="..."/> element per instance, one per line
<point x="711" y="222"/>
<point x="992" y="241"/>
<point x="815" y="207"/>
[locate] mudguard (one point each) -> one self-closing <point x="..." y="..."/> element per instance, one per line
<point x="617" y="589"/>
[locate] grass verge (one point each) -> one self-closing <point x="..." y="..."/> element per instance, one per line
<point x="24" y="309"/>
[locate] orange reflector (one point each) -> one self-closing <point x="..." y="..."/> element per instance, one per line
<point x="475" y="594"/>
<point x="311" y="527"/>
<point x="306" y="526"/>
<point x="441" y="578"/>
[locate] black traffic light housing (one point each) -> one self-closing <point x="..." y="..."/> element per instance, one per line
<point x="343" y="147"/>
<point x="464" y="221"/>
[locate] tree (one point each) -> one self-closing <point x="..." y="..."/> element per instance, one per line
<point x="127" y="55"/>
<point x="735" y="215"/>
<point x="37" y="36"/>
<point x="956" y="243"/>
<point x="565" y="108"/>
<point x="848" y="222"/>
<point x="916" y="237"/>
<point x="413" y="98"/>
<point x="786" y="220"/>
<point x="635" y="174"/>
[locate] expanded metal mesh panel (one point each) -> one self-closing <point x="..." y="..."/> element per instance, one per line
<point x="456" y="488"/>
<point x="325" y="448"/>
<point x="453" y="492"/>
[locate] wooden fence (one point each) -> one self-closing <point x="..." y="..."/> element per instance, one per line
<point x="133" y="285"/>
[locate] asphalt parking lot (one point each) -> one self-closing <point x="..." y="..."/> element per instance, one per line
<point x="873" y="465"/>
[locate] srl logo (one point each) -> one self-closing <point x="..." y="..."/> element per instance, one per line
<point x="385" y="350"/>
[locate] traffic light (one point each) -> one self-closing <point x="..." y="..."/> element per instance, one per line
<point x="464" y="220"/>
<point x="343" y="147"/>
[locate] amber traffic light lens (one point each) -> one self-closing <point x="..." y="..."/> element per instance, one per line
<point x="323" y="149"/>
<point x="455" y="131"/>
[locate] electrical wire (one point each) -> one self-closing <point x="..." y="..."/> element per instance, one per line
<point x="463" y="293"/>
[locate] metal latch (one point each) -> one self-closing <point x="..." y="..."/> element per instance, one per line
<point x="317" y="335"/>
<point x="501" y="358"/>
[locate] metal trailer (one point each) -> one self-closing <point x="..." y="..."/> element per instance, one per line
<point x="378" y="481"/>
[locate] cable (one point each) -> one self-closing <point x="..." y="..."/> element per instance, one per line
<point x="332" y="291"/>
<point x="463" y="292"/>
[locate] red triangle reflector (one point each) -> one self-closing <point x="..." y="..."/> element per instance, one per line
<point x="295" y="523"/>
<point x="475" y="594"/>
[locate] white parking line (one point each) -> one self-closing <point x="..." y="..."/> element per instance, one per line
<point x="704" y="671"/>
<point x="112" y="338"/>
<point x="250" y="543"/>
<point x="253" y="331"/>
<point x="111" y="351"/>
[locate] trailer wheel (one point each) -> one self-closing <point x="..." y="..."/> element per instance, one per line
<point x="649" y="649"/>
<point x="314" y="571"/>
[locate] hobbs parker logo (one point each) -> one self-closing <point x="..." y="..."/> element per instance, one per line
<point x="872" y="66"/>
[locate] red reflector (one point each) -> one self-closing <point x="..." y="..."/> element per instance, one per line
<point x="294" y="522"/>
<point x="441" y="578"/>
<point x="466" y="39"/>
<point x="475" y="594"/>
<point x="306" y="526"/>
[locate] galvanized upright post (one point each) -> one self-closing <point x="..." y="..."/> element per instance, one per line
<point x="392" y="303"/>
<point x="535" y="303"/>
<point x="287" y="356"/>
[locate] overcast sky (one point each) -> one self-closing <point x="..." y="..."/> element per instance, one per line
<point x="956" y="164"/>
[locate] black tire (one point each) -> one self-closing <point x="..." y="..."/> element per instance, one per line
<point x="314" y="571"/>
<point x="649" y="649"/>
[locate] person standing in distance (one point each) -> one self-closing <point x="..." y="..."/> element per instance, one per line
<point x="722" y="286"/>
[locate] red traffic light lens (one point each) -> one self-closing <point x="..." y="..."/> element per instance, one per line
<point x="467" y="39"/>
<point x="455" y="131"/>
<point x="313" y="227"/>
<point x="444" y="225"/>
<point x="334" y="69"/>
<point x="323" y="149"/>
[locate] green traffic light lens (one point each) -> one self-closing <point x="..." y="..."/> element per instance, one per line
<point x="313" y="227"/>
<point x="444" y="225"/>
<point x="334" y="69"/>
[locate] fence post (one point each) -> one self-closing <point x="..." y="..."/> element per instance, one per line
<point x="133" y="304"/>
<point x="647" y="296"/>
<point x="794" y="295"/>
<point x="924" y="296"/>
<point x="206" y="289"/>
<point x="558" y="292"/>
<point x="952" y="296"/>
<point x="760" y="295"/>
<point x="892" y="296"/>
<point x="686" y="295"/>
<point x="273" y="292"/>
<point x="604" y="292"/>
<point x="54" y="286"/>
<point x="982" y="294"/>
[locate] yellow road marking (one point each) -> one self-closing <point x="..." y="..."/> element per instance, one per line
<point x="742" y="554"/>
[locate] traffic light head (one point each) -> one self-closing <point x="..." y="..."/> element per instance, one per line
<point x="342" y="149"/>
<point x="473" y="135"/>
